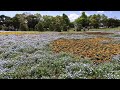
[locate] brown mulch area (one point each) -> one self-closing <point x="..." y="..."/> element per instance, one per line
<point x="89" y="33"/>
<point x="98" y="33"/>
<point x="98" y="49"/>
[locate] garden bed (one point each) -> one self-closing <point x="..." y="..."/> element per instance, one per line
<point x="98" y="49"/>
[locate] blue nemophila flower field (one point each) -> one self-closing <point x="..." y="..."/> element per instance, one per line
<point x="29" y="56"/>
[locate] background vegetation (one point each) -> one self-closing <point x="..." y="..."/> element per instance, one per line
<point x="37" y="22"/>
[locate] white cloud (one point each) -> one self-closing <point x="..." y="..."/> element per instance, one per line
<point x="87" y="14"/>
<point x="100" y="11"/>
<point x="73" y="16"/>
<point x="60" y="14"/>
<point x="81" y="12"/>
<point x="110" y="12"/>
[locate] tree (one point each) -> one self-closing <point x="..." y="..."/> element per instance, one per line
<point x="2" y="19"/>
<point x="47" y="21"/>
<point x="23" y="27"/>
<point x="32" y="20"/>
<point x="21" y="22"/>
<point x="104" y="20"/>
<point x="58" y="25"/>
<point x="71" y="25"/>
<point x="111" y="22"/>
<point x="66" y="22"/>
<point x="52" y="24"/>
<point x="39" y="26"/>
<point x="39" y="17"/>
<point x="16" y="22"/>
<point x="5" y="22"/>
<point x="0" y="27"/>
<point x="82" y="21"/>
<point x="95" y="20"/>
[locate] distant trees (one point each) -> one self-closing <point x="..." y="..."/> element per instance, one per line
<point x="39" y="26"/>
<point x="103" y="21"/>
<point x="16" y="22"/>
<point x="82" y="22"/>
<point x="113" y="22"/>
<point x="5" y="22"/>
<point x="95" y="20"/>
<point x="32" y="22"/>
<point x="66" y="22"/>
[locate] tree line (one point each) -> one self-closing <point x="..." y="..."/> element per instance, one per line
<point x="37" y="22"/>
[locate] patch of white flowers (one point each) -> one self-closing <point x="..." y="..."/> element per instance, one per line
<point x="29" y="56"/>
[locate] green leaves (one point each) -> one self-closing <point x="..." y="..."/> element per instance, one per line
<point x="82" y="21"/>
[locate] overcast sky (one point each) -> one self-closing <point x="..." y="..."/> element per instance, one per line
<point x="71" y="14"/>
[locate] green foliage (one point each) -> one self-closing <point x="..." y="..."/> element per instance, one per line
<point x="66" y="22"/>
<point x="32" y="22"/>
<point x="58" y="23"/>
<point x="5" y="28"/>
<point x="81" y="22"/>
<point x="0" y="27"/>
<point x="39" y="27"/>
<point x="16" y="22"/>
<point x="23" y="27"/>
<point x="95" y="20"/>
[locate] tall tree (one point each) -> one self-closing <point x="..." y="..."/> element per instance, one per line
<point x="39" y="26"/>
<point x="22" y="22"/>
<point x="104" y="20"/>
<point x="58" y="25"/>
<point x="82" y="21"/>
<point x="32" y="21"/>
<point x="66" y="22"/>
<point x="16" y="21"/>
<point x="95" y="20"/>
<point x="47" y="20"/>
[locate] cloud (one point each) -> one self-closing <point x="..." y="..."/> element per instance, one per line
<point x="100" y="11"/>
<point x="60" y="15"/>
<point x="81" y="12"/>
<point x="110" y="12"/>
<point x="73" y="16"/>
<point x="87" y="14"/>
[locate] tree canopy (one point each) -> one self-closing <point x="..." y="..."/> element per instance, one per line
<point x="28" y="22"/>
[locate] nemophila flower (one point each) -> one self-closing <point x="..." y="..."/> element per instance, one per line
<point x="32" y="56"/>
